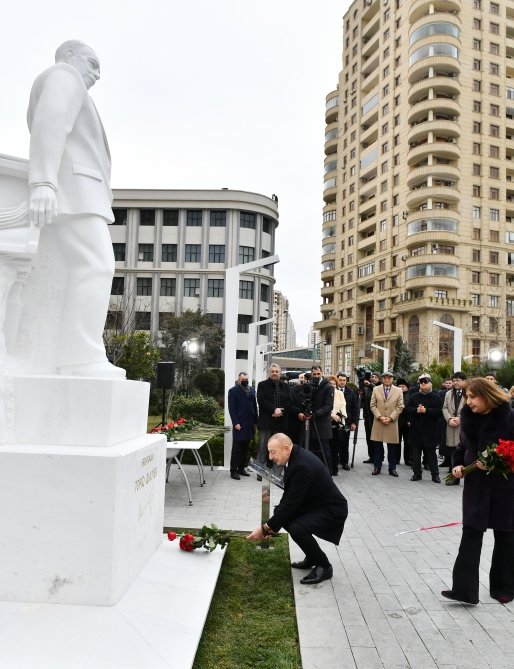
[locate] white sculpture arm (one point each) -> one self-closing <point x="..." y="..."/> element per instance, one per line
<point x="43" y="204"/>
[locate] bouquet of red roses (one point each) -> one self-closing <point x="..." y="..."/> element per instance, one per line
<point x="207" y="537"/>
<point x="498" y="458"/>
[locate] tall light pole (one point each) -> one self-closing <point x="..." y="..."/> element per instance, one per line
<point x="232" y="275"/>
<point x="252" y="345"/>
<point x="457" y="343"/>
<point x="386" y="356"/>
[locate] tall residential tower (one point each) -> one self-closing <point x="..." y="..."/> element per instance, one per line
<point x="418" y="223"/>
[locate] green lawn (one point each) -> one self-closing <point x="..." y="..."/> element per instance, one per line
<point x="252" y="621"/>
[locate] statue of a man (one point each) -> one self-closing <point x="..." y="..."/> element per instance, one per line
<point x="70" y="198"/>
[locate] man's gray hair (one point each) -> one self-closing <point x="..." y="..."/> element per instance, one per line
<point x="274" y="365"/>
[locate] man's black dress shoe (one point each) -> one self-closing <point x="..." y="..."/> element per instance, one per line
<point x="436" y="479"/>
<point x="304" y="564"/>
<point x="375" y="472"/>
<point x="393" y="472"/>
<point x="335" y="472"/>
<point x="503" y="599"/>
<point x="416" y="477"/>
<point x="235" y="476"/>
<point x="346" y="467"/>
<point x="367" y="462"/>
<point x="449" y="594"/>
<point x="317" y="575"/>
<point x="243" y="472"/>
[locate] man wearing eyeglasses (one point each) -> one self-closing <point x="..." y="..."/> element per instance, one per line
<point x="424" y="409"/>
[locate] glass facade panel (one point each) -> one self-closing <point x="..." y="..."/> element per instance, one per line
<point x="436" y="28"/>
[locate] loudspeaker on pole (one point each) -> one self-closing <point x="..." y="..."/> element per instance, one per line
<point x="165" y="375"/>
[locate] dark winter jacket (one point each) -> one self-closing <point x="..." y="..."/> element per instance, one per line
<point x="488" y="498"/>
<point x="242" y="408"/>
<point x="310" y="497"/>
<point x="267" y="405"/>
<point x="352" y="406"/>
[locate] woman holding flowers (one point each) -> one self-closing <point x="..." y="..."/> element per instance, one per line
<point x="488" y="497"/>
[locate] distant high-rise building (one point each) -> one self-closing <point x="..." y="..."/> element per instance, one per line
<point x="418" y="223"/>
<point x="284" y="335"/>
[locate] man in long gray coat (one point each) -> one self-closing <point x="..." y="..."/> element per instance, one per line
<point x="70" y="199"/>
<point x="453" y="402"/>
<point x="386" y="405"/>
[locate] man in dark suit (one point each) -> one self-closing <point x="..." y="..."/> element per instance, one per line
<point x="319" y="415"/>
<point x="311" y="504"/>
<point x="242" y="407"/>
<point x="274" y="400"/>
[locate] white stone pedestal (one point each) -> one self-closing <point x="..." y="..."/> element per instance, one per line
<point x="79" y="523"/>
<point x="83" y="502"/>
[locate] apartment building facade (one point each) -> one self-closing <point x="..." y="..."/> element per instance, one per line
<point x="418" y="222"/>
<point x="172" y="248"/>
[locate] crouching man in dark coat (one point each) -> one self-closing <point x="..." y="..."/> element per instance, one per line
<point x="311" y="504"/>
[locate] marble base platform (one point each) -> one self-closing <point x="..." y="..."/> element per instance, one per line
<point x="157" y="624"/>
<point x="78" y="523"/>
<point x="72" y="411"/>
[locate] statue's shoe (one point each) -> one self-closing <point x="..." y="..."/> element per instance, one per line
<point x="96" y="370"/>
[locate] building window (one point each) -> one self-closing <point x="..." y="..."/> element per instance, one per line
<point x="194" y="217"/>
<point x="493" y="324"/>
<point x="475" y="277"/>
<point x="494" y="130"/>
<point x="476" y="148"/>
<point x="215" y="318"/>
<point x="477" y="44"/>
<point x="246" y="254"/>
<point x="475" y="299"/>
<point x="147" y="217"/>
<point x="475" y="255"/>
<point x="494" y="193"/>
<point x="170" y="217"/>
<point x="246" y="290"/>
<point x="242" y="354"/>
<point x="145" y="252"/>
<point x="493" y="301"/>
<point x="494" y="68"/>
<point x="477" y="64"/>
<point x="494" y="8"/>
<point x="477" y="85"/>
<point x="216" y="252"/>
<point x="441" y="294"/>
<point x="247" y="220"/>
<point x="494" y="279"/>
<point x="143" y="320"/>
<point x="264" y="292"/>
<point x="169" y="252"/>
<point x="215" y="287"/>
<point x="266" y="225"/>
<point x="413" y="336"/>
<point x="477" y="211"/>
<point x="494" y="172"/>
<point x="168" y="287"/>
<point x="476" y="170"/>
<point x="494" y="235"/>
<point x="494" y="49"/>
<point x="476" y="191"/>
<point x="120" y="216"/>
<point x="475" y="323"/>
<point x="477" y="127"/>
<point x="243" y="323"/>
<point x="217" y="218"/>
<point x="118" y="285"/>
<point x="143" y="286"/>
<point x="475" y="348"/>
<point x="193" y="253"/>
<point x="191" y="287"/>
<point x="494" y="215"/>
<point x="494" y="110"/>
<point x="494" y="151"/>
<point x="119" y="251"/>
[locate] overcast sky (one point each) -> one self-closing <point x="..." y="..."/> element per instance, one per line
<point x="200" y="94"/>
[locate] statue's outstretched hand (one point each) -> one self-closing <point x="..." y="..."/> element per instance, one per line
<point x="43" y="205"/>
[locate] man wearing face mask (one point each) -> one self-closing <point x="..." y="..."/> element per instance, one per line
<point x="242" y="407"/>
<point x="319" y="413"/>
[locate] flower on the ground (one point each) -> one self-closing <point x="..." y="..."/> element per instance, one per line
<point x="174" y="428"/>
<point x="207" y="537"/>
<point x="498" y="458"/>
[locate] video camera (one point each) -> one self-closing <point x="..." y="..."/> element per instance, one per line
<point x="306" y="393"/>
<point x="363" y="374"/>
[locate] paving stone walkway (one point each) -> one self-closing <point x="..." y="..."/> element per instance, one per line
<point x="383" y="607"/>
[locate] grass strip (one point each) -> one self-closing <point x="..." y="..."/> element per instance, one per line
<point x="251" y="623"/>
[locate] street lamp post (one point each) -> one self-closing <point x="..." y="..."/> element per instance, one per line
<point x="232" y="275"/>
<point x="252" y="346"/>
<point x="457" y="343"/>
<point x="386" y="356"/>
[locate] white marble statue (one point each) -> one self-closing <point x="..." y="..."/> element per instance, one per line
<point x="70" y="201"/>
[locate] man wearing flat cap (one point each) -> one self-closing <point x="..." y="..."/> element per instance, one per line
<point x="386" y="405"/>
<point x="423" y="410"/>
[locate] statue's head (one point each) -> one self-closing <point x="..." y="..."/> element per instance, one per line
<point x="82" y="57"/>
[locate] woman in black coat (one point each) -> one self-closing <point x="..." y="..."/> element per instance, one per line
<point x="488" y="498"/>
